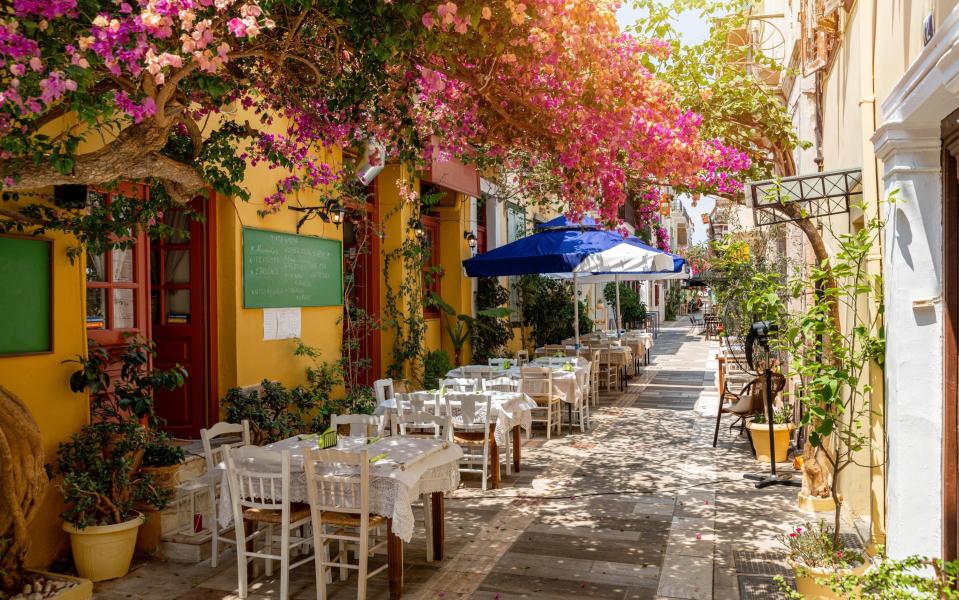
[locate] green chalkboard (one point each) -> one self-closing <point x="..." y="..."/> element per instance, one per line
<point x="25" y="295"/>
<point x="287" y="270"/>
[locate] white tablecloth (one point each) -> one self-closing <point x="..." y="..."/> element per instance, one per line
<point x="427" y="466"/>
<point x="566" y="384"/>
<point x="510" y="409"/>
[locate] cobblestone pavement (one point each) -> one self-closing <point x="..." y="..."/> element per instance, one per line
<point x="642" y="506"/>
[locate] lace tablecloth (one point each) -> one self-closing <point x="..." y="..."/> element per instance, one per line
<point x="566" y="384"/>
<point x="427" y="466"/>
<point x="510" y="409"/>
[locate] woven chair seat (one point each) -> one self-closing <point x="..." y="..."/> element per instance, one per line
<point x="298" y="511"/>
<point x="330" y="517"/>
<point x="545" y="400"/>
<point x="470" y="438"/>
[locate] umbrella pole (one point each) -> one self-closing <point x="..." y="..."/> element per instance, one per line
<point x="619" y="318"/>
<point x="575" y="312"/>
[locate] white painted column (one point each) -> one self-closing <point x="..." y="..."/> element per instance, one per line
<point x="912" y="265"/>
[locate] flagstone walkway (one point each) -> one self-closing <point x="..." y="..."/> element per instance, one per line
<point x="640" y="507"/>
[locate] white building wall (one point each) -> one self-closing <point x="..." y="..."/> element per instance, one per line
<point x="908" y="143"/>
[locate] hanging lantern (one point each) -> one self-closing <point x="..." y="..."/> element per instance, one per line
<point x="664" y="205"/>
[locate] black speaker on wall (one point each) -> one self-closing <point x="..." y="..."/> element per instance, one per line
<point x="70" y="197"/>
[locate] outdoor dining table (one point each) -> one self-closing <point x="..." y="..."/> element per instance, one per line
<point x="511" y="410"/>
<point x="568" y="383"/>
<point x="411" y="467"/>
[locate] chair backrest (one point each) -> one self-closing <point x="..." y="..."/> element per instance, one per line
<point x="536" y="381"/>
<point x="209" y="437"/>
<point x="338" y="481"/>
<point x="425" y="402"/>
<point x="442" y="427"/>
<point x="522" y="357"/>
<point x="384" y="390"/>
<point x="459" y="384"/>
<point x="501" y="384"/>
<point x="476" y="371"/>
<point x="360" y="425"/>
<point x="258" y="478"/>
<point x="473" y="413"/>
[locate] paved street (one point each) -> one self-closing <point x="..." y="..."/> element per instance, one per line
<point x="641" y="507"/>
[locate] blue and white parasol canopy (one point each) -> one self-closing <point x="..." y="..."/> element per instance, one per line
<point x="560" y="246"/>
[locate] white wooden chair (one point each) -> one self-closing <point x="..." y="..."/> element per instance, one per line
<point x="224" y="435"/>
<point x="537" y="383"/>
<point x="460" y="384"/>
<point x="338" y="485"/>
<point x="522" y="357"/>
<point x="472" y="430"/>
<point x="608" y="372"/>
<point x="501" y="384"/>
<point x="261" y="495"/>
<point x="384" y="391"/>
<point x="594" y="376"/>
<point x="415" y="424"/>
<point x="360" y="425"/>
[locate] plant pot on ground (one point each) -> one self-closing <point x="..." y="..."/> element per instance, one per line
<point x="102" y="486"/>
<point x="162" y="459"/>
<point x="782" y="429"/>
<point x="818" y="560"/>
<point x="103" y="483"/>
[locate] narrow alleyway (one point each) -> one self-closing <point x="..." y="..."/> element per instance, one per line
<point x="641" y="507"/>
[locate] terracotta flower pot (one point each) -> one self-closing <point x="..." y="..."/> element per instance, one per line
<point x="760" y="436"/>
<point x="102" y="552"/>
<point x="810" y="589"/>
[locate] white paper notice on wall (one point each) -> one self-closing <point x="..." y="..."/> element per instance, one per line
<point x="281" y="323"/>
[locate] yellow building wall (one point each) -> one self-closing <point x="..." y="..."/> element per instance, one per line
<point x="456" y="288"/>
<point x="42" y="382"/>
<point x="245" y="358"/>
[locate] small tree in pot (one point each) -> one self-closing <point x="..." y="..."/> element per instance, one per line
<point x="103" y="483"/>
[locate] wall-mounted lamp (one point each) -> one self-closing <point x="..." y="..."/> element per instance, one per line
<point x="470" y="238"/>
<point x="330" y="211"/>
<point x="418" y="230"/>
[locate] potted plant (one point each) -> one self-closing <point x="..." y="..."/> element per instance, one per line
<point x="819" y="560"/>
<point x="102" y="486"/>
<point x="162" y="459"/>
<point x="103" y="483"/>
<point x="782" y="429"/>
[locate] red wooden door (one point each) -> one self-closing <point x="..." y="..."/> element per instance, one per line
<point x="178" y="296"/>
<point x="361" y="251"/>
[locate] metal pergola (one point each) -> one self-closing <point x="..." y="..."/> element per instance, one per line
<point x="816" y="195"/>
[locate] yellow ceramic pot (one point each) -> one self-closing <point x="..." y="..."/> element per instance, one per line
<point x="167" y="478"/>
<point x="810" y="589"/>
<point x="815" y="504"/>
<point x="760" y="435"/>
<point x="102" y="552"/>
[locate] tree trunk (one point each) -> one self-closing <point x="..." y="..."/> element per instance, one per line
<point x="23" y="482"/>
<point x="134" y="154"/>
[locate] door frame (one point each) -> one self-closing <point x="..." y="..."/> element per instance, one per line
<point x="211" y="355"/>
<point x="950" y="337"/>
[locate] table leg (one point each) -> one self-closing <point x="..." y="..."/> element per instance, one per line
<point x="516" y="449"/>
<point x="439" y="534"/>
<point x="494" y="461"/>
<point x="394" y="557"/>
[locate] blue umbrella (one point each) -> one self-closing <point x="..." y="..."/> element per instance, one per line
<point x="562" y="246"/>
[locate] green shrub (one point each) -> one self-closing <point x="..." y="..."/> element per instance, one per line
<point x="547" y="308"/>
<point x="436" y="365"/>
<point x="162" y="452"/>
<point x="490" y="334"/>
<point x="631" y="307"/>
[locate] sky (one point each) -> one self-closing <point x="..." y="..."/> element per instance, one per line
<point x="692" y="30"/>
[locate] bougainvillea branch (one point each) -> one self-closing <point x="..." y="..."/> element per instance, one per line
<point x="191" y="92"/>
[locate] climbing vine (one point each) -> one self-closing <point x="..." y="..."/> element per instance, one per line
<point x="402" y="313"/>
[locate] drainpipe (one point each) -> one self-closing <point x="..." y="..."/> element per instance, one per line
<point x="870" y="185"/>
